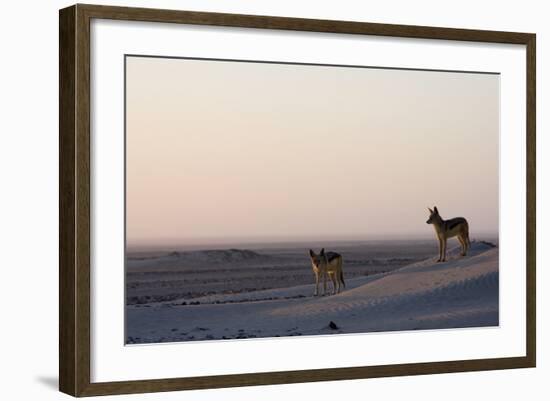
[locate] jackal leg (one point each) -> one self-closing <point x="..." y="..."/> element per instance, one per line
<point x="333" y="279"/>
<point x="466" y="238"/>
<point x="463" y="244"/>
<point x="316" y="284"/>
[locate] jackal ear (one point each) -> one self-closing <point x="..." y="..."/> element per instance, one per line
<point x="311" y="253"/>
<point x="430" y="210"/>
<point x="322" y="251"/>
<point x="435" y="210"/>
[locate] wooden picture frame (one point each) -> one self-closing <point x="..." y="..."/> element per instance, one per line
<point x="74" y="199"/>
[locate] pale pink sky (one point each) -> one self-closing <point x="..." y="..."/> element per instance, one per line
<point x="238" y="150"/>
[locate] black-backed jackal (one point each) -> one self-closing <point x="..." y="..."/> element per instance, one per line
<point x="329" y="263"/>
<point x="444" y="229"/>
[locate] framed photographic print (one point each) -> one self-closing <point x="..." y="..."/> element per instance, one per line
<point x="241" y="196"/>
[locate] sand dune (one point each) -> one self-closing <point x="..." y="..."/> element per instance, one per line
<point x="197" y="258"/>
<point x="163" y="276"/>
<point x="462" y="292"/>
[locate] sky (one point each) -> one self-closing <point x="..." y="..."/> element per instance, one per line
<point x="225" y="150"/>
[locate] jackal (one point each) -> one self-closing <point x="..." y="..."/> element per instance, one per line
<point x="444" y="229"/>
<point x="329" y="263"/>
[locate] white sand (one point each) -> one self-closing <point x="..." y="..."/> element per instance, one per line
<point x="462" y="292"/>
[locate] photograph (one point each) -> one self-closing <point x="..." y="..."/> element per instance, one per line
<point x="274" y="199"/>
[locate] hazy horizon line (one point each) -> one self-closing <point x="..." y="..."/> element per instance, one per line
<point x="275" y="240"/>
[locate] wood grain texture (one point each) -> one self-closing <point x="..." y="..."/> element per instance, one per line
<point x="82" y="192"/>
<point x="74" y="206"/>
<point x="301" y="376"/>
<point x="531" y="228"/>
<point x="301" y="24"/>
<point x="67" y="273"/>
<point x="74" y="199"/>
